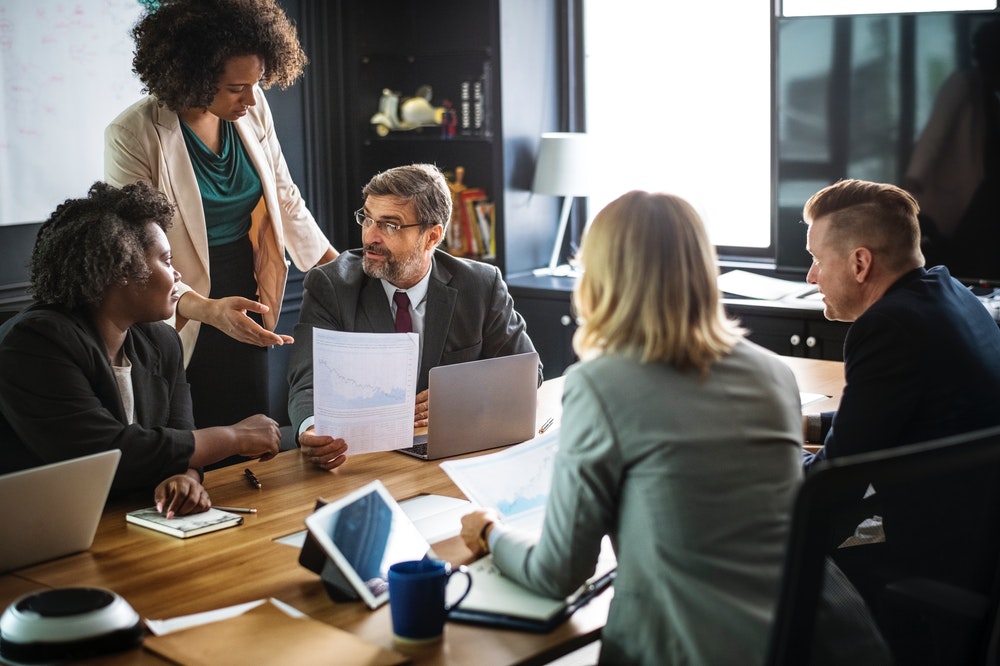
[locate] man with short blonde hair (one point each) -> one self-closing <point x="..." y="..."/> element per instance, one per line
<point x="921" y="361"/>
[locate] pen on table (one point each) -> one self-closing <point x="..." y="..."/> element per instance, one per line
<point x="545" y="426"/>
<point x="252" y="479"/>
<point x="235" y="509"/>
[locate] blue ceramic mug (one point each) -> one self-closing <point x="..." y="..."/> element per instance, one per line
<point x="417" y="598"/>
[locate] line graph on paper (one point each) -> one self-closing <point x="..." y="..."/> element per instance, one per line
<point x="363" y="388"/>
<point x="355" y="383"/>
<point x="366" y="379"/>
<point x="515" y="481"/>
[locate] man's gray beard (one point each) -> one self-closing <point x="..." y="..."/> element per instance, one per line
<point x="392" y="271"/>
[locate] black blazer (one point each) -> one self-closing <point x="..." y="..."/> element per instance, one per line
<point x="59" y="398"/>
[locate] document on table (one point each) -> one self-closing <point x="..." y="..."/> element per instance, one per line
<point x="515" y="481"/>
<point x="164" y="627"/>
<point x="364" y="388"/>
<point x="807" y="398"/>
<point x="753" y="285"/>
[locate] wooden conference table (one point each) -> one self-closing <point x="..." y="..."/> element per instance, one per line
<point x="164" y="577"/>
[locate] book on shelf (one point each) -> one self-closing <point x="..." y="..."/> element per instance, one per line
<point x="184" y="526"/>
<point x="465" y="106"/>
<point x="477" y="105"/>
<point x="475" y="244"/>
<point x="486" y="217"/>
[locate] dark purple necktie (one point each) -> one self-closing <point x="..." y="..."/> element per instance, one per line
<point x="403" y="322"/>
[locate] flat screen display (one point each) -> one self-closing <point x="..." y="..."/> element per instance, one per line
<point x="889" y="98"/>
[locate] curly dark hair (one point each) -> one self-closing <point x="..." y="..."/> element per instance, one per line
<point x="89" y="244"/>
<point x="182" y="47"/>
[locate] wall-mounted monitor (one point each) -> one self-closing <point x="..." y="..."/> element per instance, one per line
<point x="894" y="98"/>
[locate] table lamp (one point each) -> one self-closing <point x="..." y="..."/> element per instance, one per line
<point x="562" y="169"/>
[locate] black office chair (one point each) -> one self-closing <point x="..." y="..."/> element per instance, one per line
<point x="947" y="623"/>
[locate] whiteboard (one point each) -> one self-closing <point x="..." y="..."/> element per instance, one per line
<point x="65" y="73"/>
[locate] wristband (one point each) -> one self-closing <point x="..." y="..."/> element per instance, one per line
<point x="814" y="429"/>
<point x="483" y="543"/>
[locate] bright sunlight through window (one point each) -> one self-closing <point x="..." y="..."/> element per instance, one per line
<point x="678" y="100"/>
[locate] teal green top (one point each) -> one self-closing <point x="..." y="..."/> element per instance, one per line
<point x="229" y="184"/>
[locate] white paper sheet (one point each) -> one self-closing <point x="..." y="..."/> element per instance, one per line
<point x="436" y="517"/>
<point x="753" y="285"/>
<point x="162" y="627"/>
<point x="364" y="388"/>
<point x="515" y="482"/>
<point x="807" y="398"/>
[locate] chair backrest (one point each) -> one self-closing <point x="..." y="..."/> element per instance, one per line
<point x="833" y="489"/>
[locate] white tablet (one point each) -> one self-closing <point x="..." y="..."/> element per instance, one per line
<point x="363" y="534"/>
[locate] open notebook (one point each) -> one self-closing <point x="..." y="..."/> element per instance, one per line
<point x="496" y="600"/>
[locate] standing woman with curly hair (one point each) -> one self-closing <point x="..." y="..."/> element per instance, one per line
<point x="205" y="137"/>
<point x="90" y="366"/>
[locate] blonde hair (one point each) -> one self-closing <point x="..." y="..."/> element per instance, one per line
<point x="649" y="285"/>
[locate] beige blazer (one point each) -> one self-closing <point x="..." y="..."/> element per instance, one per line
<point x="145" y="143"/>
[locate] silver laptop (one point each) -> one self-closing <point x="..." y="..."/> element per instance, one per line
<point x="479" y="405"/>
<point x="53" y="510"/>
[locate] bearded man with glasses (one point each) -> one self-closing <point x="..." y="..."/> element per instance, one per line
<point x="399" y="281"/>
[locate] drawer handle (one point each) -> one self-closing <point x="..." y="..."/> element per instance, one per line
<point x="565" y="320"/>
<point x="795" y="340"/>
<point x="811" y="341"/>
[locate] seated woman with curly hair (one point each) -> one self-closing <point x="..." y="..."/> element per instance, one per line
<point x="90" y="365"/>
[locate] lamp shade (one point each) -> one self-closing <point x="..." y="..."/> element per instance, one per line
<point x="563" y="166"/>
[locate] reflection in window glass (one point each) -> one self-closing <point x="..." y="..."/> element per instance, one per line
<point x="804" y="72"/>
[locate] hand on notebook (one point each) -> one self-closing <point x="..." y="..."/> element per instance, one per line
<point x="180" y="495"/>
<point x="322" y="450"/>
<point x="421" y="409"/>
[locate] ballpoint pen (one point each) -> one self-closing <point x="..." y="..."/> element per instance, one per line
<point x="234" y="509"/>
<point x="545" y="426"/>
<point x="252" y="479"/>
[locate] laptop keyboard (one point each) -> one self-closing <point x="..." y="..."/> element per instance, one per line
<point x="417" y="449"/>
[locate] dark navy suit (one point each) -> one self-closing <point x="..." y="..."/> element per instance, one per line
<point x="923" y="362"/>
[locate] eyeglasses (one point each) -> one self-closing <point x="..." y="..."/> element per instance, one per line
<point x="387" y="228"/>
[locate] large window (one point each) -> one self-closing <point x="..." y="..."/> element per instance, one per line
<point x="678" y="100"/>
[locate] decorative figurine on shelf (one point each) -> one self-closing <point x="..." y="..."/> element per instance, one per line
<point x="414" y="112"/>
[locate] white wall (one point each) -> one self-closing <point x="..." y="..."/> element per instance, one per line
<point x="65" y="73"/>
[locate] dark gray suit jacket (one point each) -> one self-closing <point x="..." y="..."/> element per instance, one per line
<point x="469" y="316"/>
